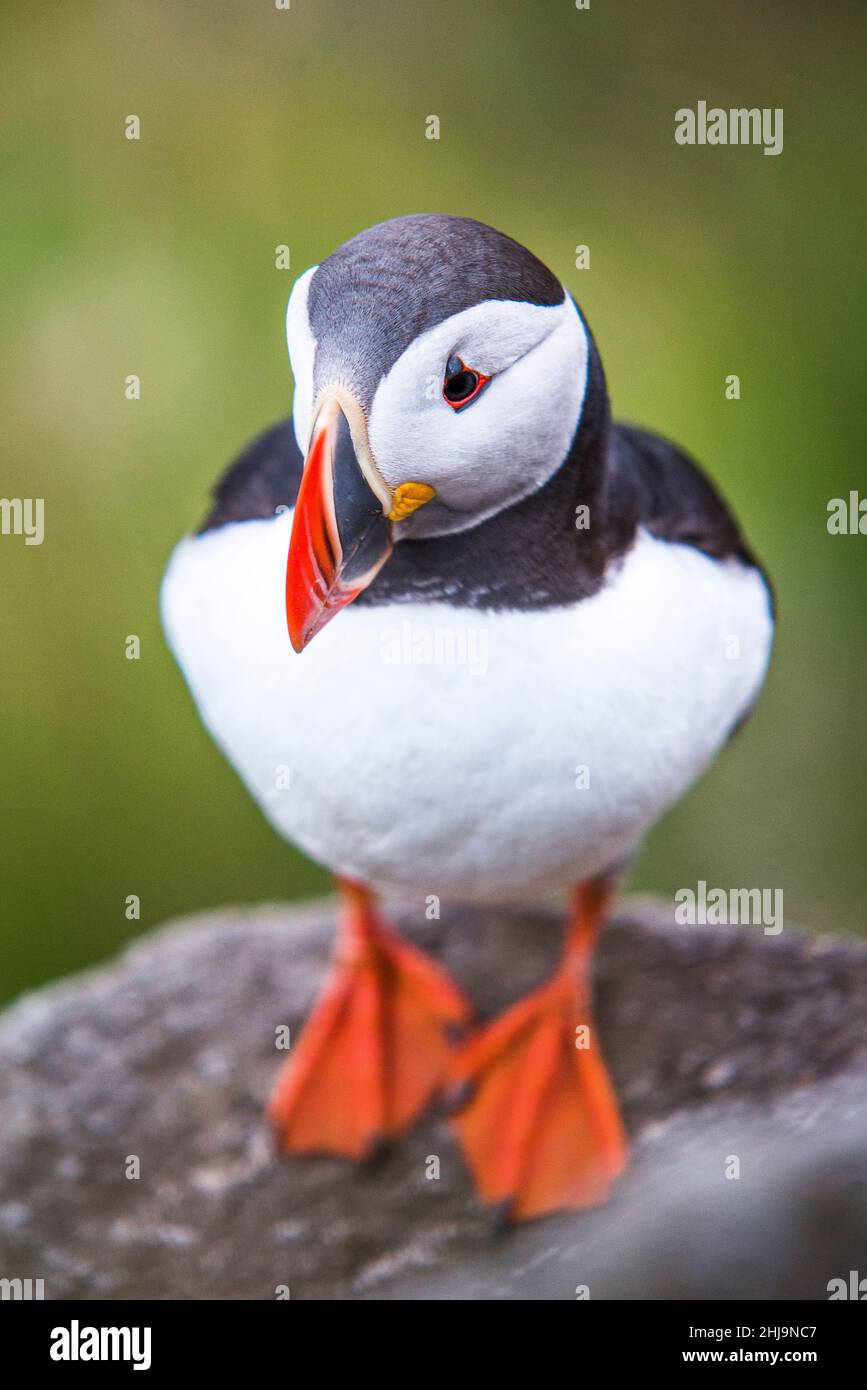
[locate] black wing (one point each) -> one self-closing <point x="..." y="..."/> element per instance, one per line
<point x="674" y="500"/>
<point x="264" y="477"/>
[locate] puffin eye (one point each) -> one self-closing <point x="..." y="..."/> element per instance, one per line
<point x="462" y="383"/>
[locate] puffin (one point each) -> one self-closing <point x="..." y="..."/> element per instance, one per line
<point x="463" y="638"/>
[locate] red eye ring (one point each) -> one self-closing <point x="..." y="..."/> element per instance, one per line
<point x="462" y="383"/>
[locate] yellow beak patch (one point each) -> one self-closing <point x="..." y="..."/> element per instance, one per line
<point x="408" y="497"/>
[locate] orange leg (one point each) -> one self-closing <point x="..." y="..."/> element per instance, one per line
<point x="541" y="1129"/>
<point x="375" y="1050"/>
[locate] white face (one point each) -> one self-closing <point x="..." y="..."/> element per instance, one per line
<point x="492" y="452"/>
<point x="302" y="351"/>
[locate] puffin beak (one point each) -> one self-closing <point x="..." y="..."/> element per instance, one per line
<point x="341" y="534"/>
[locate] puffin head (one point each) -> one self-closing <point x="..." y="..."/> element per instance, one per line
<point x="440" y="376"/>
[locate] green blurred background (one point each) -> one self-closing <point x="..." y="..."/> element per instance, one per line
<point x="262" y="127"/>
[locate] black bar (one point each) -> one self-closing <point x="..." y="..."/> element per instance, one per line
<point x="247" y="1337"/>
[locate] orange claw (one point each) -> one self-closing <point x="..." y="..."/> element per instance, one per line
<point x="375" y="1050"/>
<point x="541" y="1130"/>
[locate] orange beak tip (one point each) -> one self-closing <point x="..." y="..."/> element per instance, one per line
<point x="340" y="537"/>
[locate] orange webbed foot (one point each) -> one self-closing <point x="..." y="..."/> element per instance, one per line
<point x="376" y="1049"/>
<point x="541" y="1129"/>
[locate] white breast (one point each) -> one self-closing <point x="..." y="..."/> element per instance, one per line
<point x="468" y="754"/>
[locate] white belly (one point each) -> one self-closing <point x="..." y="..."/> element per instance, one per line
<point x="468" y="754"/>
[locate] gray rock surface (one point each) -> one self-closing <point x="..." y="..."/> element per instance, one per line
<point x="722" y="1043"/>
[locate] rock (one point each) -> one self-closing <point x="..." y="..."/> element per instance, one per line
<point x="724" y="1044"/>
